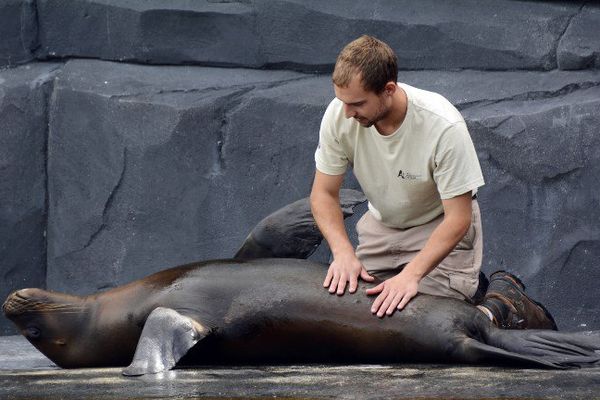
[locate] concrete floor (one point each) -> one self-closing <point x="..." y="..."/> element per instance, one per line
<point x="26" y="374"/>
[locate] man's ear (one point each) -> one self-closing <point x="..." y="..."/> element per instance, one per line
<point x="390" y="88"/>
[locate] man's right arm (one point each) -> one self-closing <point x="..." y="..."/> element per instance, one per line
<point x="325" y="205"/>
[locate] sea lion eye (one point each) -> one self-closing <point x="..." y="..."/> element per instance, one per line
<point x="32" y="332"/>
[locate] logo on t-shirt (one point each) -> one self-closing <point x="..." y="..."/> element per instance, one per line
<point x="408" y="176"/>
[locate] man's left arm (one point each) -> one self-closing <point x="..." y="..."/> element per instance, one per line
<point x="396" y="292"/>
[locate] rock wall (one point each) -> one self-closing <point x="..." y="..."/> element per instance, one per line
<point x="136" y="135"/>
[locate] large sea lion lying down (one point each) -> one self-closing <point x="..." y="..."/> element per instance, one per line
<point x="271" y="310"/>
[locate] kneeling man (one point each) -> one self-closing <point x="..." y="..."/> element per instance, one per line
<point x="414" y="159"/>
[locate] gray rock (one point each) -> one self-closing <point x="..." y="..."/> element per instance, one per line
<point x="23" y="126"/>
<point x="18" y="31"/>
<point x="157" y="32"/>
<point x="152" y="167"/>
<point x="579" y="48"/>
<point x="540" y="204"/>
<point x="140" y="172"/>
<point x="271" y="142"/>
<point x="488" y="34"/>
<point x="468" y="89"/>
<point x="425" y="35"/>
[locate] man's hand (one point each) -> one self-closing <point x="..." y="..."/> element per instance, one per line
<point x="325" y="204"/>
<point x="394" y="293"/>
<point x="345" y="268"/>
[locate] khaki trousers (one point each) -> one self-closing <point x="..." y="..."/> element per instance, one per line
<point x="385" y="251"/>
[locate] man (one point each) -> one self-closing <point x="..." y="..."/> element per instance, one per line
<point x="414" y="159"/>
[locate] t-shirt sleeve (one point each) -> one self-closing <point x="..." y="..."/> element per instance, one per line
<point x="329" y="156"/>
<point x="457" y="170"/>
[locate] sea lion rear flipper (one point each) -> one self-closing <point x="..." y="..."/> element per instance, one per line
<point x="536" y="347"/>
<point x="291" y="231"/>
<point x="476" y="352"/>
<point x="549" y="347"/>
<point x="166" y="337"/>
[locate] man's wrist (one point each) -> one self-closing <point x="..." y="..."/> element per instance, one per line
<point x="343" y="251"/>
<point x="413" y="272"/>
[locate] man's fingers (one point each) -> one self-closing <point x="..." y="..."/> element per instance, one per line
<point x="328" y="278"/>
<point x="394" y="304"/>
<point x="375" y="290"/>
<point x="385" y="305"/>
<point x="405" y="301"/>
<point x="334" y="283"/>
<point x="365" y="275"/>
<point x="342" y="284"/>
<point x="353" y="283"/>
<point x="378" y="302"/>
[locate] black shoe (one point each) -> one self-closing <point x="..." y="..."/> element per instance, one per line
<point x="511" y="307"/>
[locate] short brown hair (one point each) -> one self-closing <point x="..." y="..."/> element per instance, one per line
<point x="373" y="59"/>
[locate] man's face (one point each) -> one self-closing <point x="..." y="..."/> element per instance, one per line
<point x="366" y="107"/>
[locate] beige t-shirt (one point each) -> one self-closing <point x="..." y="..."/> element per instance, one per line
<point x="406" y="174"/>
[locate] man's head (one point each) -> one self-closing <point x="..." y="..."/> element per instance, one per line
<point x="365" y="78"/>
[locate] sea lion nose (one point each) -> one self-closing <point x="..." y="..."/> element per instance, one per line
<point x="8" y="306"/>
<point x="15" y="301"/>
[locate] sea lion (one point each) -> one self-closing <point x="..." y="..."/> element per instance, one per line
<point x="270" y="311"/>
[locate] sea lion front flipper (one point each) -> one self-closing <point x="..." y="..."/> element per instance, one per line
<point x="291" y="231"/>
<point x="166" y="337"/>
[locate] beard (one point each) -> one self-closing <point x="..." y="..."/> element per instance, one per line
<point x="365" y="122"/>
<point x="381" y="113"/>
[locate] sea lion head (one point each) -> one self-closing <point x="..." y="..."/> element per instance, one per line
<point x="51" y="321"/>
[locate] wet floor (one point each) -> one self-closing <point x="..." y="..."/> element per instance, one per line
<point x="26" y="374"/>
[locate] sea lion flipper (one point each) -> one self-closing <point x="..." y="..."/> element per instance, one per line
<point x="550" y="348"/>
<point x="476" y="352"/>
<point x="533" y="347"/>
<point x="349" y="199"/>
<point x="166" y="337"/>
<point x="291" y="231"/>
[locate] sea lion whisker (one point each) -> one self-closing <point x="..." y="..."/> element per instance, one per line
<point x="19" y="306"/>
<point x="56" y="311"/>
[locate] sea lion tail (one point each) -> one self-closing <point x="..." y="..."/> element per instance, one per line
<point x="549" y="348"/>
<point x="291" y="231"/>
